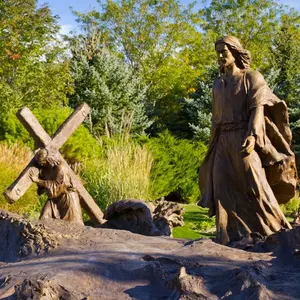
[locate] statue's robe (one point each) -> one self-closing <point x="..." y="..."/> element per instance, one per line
<point x="63" y="202"/>
<point x="244" y="191"/>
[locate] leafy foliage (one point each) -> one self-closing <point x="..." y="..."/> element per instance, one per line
<point x="286" y="57"/>
<point x="33" y="70"/>
<point x="253" y="22"/>
<point x="80" y="146"/>
<point x="193" y="119"/>
<point x="115" y="94"/>
<point x="176" y="163"/>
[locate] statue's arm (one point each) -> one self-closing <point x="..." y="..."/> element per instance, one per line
<point x="54" y="187"/>
<point x="256" y="126"/>
<point x="255" y="135"/>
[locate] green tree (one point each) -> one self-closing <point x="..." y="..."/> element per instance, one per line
<point x="33" y="69"/>
<point x="253" y="22"/>
<point x="115" y="94"/>
<point x="158" y="40"/>
<point x="286" y="57"/>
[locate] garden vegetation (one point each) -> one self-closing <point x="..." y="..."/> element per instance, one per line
<point x="146" y="68"/>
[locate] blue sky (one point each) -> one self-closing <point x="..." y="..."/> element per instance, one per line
<point x="67" y="19"/>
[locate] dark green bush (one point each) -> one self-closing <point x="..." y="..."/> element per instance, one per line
<point x="176" y="164"/>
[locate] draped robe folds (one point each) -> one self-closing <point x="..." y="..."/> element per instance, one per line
<point x="244" y="191"/>
<point x="63" y="202"/>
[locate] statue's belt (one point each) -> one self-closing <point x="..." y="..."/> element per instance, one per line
<point x="233" y="126"/>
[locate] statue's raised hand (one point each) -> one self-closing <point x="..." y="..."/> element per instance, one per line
<point x="248" y="145"/>
<point x="33" y="176"/>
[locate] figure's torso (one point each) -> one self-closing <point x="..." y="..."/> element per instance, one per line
<point x="230" y="100"/>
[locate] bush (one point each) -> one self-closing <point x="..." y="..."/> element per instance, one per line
<point x="176" y="164"/>
<point x="80" y="146"/>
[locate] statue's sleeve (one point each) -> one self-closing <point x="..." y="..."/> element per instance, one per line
<point x="273" y="136"/>
<point x="55" y="187"/>
<point x="257" y="93"/>
<point x="275" y="110"/>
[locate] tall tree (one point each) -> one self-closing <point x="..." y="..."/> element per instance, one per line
<point x="32" y="67"/>
<point x="154" y="38"/>
<point x="285" y="54"/>
<point x="254" y="22"/>
<point x="114" y="92"/>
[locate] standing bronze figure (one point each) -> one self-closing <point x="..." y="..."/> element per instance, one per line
<point x="249" y="168"/>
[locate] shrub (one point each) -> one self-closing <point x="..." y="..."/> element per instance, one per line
<point x="80" y="146"/>
<point x="176" y="164"/>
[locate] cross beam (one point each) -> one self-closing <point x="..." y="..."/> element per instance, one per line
<point x="43" y="140"/>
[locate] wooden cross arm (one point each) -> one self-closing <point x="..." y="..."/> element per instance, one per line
<point x="64" y="131"/>
<point x="18" y="188"/>
<point x="70" y="125"/>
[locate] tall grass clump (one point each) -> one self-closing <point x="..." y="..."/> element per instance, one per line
<point x="13" y="159"/>
<point x="123" y="172"/>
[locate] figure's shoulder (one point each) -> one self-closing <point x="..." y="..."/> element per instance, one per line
<point x="254" y="77"/>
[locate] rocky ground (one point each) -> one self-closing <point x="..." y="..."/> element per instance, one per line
<point x="59" y="260"/>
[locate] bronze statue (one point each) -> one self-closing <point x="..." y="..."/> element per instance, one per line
<point x="54" y="179"/>
<point x="249" y="168"/>
<point x="52" y="144"/>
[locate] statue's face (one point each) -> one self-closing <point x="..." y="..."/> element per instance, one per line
<point x="225" y="57"/>
<point x="43" y="163"/>
<point x="41" y="158"/>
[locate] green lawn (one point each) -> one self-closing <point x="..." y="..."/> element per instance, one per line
<point x="197" y="224"/>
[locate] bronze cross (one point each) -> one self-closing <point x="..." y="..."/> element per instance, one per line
<point x="43" y="140"/>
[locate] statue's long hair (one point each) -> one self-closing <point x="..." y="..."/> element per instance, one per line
<point x="50" y="156"/>
<point x="241" y="55"/>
